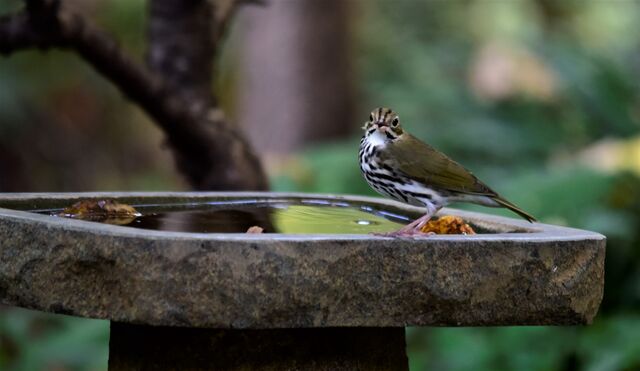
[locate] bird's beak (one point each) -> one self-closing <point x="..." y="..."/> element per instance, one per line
<point x="382" y="128"/>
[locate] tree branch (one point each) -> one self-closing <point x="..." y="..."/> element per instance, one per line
<point x="208" y="151"/>
<point x="181" y="48"/>
<point x="16" y="33"/>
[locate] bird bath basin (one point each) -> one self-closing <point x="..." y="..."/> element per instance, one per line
<point x="181" y="294"/>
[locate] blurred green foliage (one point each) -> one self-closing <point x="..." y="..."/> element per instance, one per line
<point x="539" y="98"/>
<point x="31" y="341"/>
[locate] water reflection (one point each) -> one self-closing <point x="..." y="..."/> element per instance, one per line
<point x="206" y="221"/>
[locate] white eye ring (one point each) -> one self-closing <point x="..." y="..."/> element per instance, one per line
<point x="395" y="122"/>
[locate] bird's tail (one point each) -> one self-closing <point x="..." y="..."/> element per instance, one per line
<point x="504" y="203"/>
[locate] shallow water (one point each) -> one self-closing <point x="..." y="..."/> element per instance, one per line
<point x="283" y="216"/>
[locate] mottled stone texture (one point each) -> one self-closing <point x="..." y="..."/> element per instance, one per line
<point x="136" y="347"/>
<point x="552" y="276"/>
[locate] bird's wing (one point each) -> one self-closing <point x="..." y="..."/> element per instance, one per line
<point x="423" y="163"/>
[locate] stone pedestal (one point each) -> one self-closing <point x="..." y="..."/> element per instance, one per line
<point x="137" y="347"/>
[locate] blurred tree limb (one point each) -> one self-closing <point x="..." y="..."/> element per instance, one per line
<point x="175" y="90"/>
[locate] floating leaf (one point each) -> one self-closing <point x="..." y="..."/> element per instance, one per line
<point x="104" y="211"/>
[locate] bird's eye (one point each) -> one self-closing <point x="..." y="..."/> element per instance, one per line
<point x="395" y="122"/>
<point x="371" y="117"/>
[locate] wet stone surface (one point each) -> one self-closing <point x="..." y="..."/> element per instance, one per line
<point x="549" y="276"/>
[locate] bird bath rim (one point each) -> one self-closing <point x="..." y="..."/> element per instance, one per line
<point x="521" y="229"/>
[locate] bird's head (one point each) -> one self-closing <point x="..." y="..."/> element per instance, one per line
<point x="383" y="122"/>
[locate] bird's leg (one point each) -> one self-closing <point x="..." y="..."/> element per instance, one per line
<point x="415" y="227"/>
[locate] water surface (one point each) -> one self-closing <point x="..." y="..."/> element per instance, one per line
<point x="277" y="216"/>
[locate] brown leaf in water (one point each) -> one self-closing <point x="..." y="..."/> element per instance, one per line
<point x="448" y="224"/>
<point x="255" y="230"/>
<point x="104" y="211"/>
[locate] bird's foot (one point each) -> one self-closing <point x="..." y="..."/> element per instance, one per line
<point x="413" y="229"/>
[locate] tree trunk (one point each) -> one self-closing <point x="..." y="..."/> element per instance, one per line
<point x="183" y="39"/>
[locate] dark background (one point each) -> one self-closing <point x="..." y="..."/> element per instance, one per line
<point x="539" y="98"/>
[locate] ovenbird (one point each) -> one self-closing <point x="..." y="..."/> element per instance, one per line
<point x="398" y="165"/>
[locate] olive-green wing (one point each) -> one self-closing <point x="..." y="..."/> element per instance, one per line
<point x="425" y="164"/>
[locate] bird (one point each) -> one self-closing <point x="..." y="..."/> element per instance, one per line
<point x="400" y="166"/>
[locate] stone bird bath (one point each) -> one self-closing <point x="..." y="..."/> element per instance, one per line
<point x="183" y="300"/>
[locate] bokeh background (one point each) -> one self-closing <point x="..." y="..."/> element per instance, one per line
<point x="540" y="98"/>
